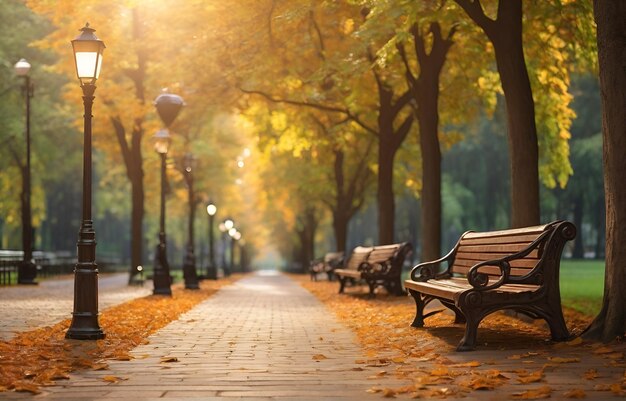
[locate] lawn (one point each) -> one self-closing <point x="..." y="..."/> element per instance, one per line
<point x="582" y="285"/>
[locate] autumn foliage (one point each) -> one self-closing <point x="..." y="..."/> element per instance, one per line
<point x="516" y="360"/>
<point x="42" y="357"/>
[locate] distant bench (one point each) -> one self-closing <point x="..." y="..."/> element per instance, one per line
<point x="511" y="269"/>
<point x="378" y="266"/>
<point x="327" y="265"/>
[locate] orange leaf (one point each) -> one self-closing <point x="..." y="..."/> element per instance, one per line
<point x="591" y="374"/>
<point x="575" y="393"/>
<point x="531" y="378"/>
<point x="470" y="364"/>
<point x="535" y="394"/>
<point x="111" y="379"/>
<point x="27" y="388"/>
<point x="319" y="357"/>
<point x="166" y="359"/>
<point x="558" y="359"/>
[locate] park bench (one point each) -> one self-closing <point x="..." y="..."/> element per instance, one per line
<point x="377" y="266"/>
<point x="514" y="269"/>
<point x="327" y="265"/>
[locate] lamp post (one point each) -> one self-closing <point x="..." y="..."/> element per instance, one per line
<point x="189" y="263"/>
<point x="232" y="233"/>
<point x="161" y="274"/>
<point x="88" y="58"/>
<point x="225" y="227"/>
<point x="27" y="271"/>
<point x="211" y="271"/>
<point x="168" y="106"/>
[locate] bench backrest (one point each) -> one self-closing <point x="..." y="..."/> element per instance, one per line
<point x="476" y="247"/>
<point x="394" y="254"/>
<point x="358" y="256"/>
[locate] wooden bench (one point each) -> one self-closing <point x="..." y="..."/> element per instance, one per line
<point x="511" y="269"/>
<point x="327" y="265"/>
<point x="378" y="266"/>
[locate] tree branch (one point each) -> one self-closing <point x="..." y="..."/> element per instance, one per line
<point x="317" y="106"/>
<point x="475" y="11"/>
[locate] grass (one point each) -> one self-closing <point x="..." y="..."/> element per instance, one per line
<point x="582" y="285"/>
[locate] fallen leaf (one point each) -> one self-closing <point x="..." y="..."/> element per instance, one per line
<point x="576" y="341"/>
<point x="100" y="366"/>
<point x="470" y="364"/>
<point x="319" y="357"/>
<point x="358" y="369"/>
<point x="27" y="388"/>
<point x="575" y="393"/>
<point x="166" y="359"/>
<point x="389" y="393"/>
<point x="531" y="378"/>
<point x="591" y="374"/>
<point x="111" y="379"/>
<point x="603" y="350"/>
<point x="558" y="359"/>
<point x="535" y="394"/>
<point x="373" y="390"/>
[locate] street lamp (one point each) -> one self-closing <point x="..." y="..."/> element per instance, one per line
<point x="27" y="271"/>
<point x="88" y="58"/>
<point x="161" y="274"/>
<point x="224" y="227"/>
<point x="232" y="233"/>
<point x="168" y="106"/>
<point x="189" y="263"/>
<point x="211" y="271"/>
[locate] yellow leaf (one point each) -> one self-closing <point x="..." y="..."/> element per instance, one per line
<point x="166" y="359"/>
<point x="111" y="379"/>
<point x="319" y="357"/>
<point x="470" y="364"/>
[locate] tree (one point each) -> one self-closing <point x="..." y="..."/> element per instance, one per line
<point x="505" y="33"/>
<point x="610" y="17"/>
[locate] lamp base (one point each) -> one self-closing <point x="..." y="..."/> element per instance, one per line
<point x="26" y="273"/>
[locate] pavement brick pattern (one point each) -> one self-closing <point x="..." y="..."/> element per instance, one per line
<point x="24" y="308"/>
<point x="263" y="338"/>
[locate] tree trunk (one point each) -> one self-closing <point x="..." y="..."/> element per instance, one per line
<point x="601" y="228"/>
<point x="579" y="249"/>
<point x="505" y="33"/>
<point x="340" y="228"/>
<point x="386" y="202"/>
<point x="522" y="132"/>
<point x="610" y="18"/>
<point x="428" y="120"/>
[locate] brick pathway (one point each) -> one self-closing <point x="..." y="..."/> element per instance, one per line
<point x="262" y="338"/>
<point x="27" y="307"/>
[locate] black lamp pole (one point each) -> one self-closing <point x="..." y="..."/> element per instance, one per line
<point x="88" y="55"/>
<point x="161" y="275"/>
<point x="27" y="270"/>
<point x="189" y="263"/>
<point x="168" y="106"/>
<point x="211" y="270"/>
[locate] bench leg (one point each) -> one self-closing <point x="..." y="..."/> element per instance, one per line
<point x="468" y="342"/>
<point x="372" y="285"/>
<point x="458" y="315"/>
<point x="553" y="315"/>
<point x="342" y="284"/>
<point x="330" y="275"/>
<point x="419" y="309"/>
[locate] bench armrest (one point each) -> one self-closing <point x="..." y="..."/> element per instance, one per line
<point x="426" y="270"/>
<point x="480" y="281"/>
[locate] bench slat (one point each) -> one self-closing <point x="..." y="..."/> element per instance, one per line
<point x="510" y="232"/>
<point x="497" y="248"/>
<point x="511" y="239"/>
<point x="463" y="254"/>
<point x="447" y="288"/>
